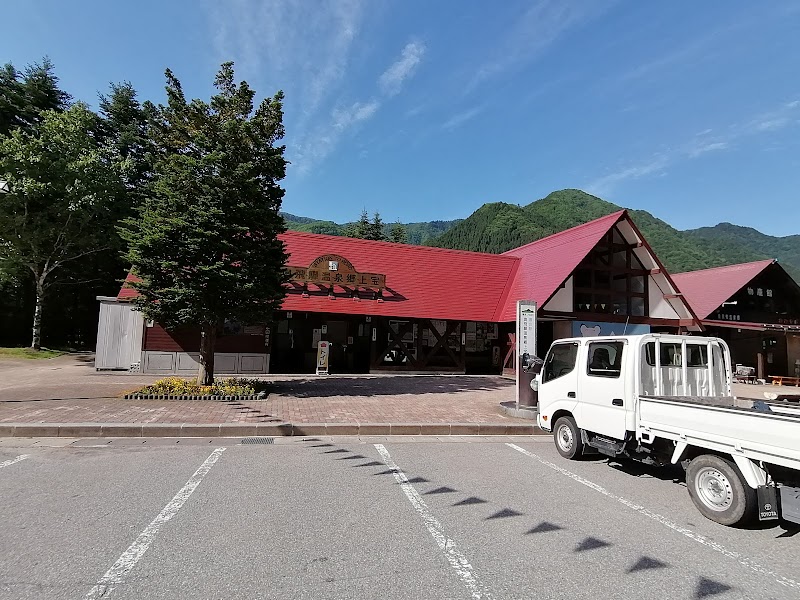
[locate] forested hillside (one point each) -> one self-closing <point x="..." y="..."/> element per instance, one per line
<point x="417" y="233"/>
<point x="498" y="227"/>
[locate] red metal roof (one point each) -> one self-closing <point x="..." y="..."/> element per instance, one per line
<point x="437" y="283"/>
<point x="422" y="281"/>
<point x="126" y="292"/>
<point x="545" y="264"/>
<point x="707" y="289"/>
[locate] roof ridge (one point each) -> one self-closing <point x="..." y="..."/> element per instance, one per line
<point x="765" y="262"/>
<point x="616" y="214"/>
<point x="394" y="244"/>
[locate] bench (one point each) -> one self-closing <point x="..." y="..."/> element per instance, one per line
<point x="784" y="380"/>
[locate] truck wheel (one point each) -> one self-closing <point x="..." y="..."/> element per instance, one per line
<point x="567" y="437"/>
<point x="719" y="491"/>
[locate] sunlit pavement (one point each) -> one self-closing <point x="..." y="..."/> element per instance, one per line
<point x="392" y="517"/>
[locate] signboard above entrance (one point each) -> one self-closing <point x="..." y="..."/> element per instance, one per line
<point x="332" y="269"/>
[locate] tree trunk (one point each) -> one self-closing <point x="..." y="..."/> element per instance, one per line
<point x="36" y="342"/>
<point x="208" y="339"/>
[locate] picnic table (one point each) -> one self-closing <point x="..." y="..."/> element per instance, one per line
<point x="784" y="380"/>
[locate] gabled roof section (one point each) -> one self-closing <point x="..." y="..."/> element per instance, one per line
<point x="707" y="289"/>
<point x="127" y="292"/>
<point x="421" y="281"/>
<point x="546" y="263"/>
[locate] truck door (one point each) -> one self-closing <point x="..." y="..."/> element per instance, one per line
<point x="559" y="377"/>
<point x="602" y="407"/>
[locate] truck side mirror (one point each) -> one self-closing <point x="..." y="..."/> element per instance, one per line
<point x="531" y="364"/>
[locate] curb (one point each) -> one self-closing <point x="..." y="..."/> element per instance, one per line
<point x="207" y="397"/>
<point x="523" y="412"/>
<point x="95" y="430"/>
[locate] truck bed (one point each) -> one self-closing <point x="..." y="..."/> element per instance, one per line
<point x="770" y="432"/>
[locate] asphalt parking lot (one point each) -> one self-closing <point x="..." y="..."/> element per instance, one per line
<point x="404" y="517"/>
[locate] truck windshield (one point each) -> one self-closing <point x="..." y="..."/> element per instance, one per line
<point x="560" y="361"/>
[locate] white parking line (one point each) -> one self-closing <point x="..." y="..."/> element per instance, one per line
<point x="743" y="560"/>
<point x="126" y="562"/>
<point x="13" y="461"/>
<point x="453" y="555"/>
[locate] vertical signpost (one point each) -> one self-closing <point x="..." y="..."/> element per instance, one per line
<point x="526" y="344"/>
<point x="323" y="354"/>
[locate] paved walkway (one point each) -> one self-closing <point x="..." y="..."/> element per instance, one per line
<point x="68" y="390"/>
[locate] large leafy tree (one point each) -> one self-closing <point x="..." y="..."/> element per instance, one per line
<point x="204" y="242"/>
<point x="60" y="180"/>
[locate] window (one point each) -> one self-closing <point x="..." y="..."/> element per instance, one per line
<point x="611" y="279"/>
<point x="605" y="359"/>
<point x="670" y="354"/>
<point x="696" y="355"/>
<point x="560" y="361"/>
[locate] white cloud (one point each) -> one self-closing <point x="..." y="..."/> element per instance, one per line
<point x="603" y="185"/>
<point x="772" y="120"/>
<point x="699" y="149"/>
<point x="770" y="124"/>
<point x="302" y="48"/>
<point x="459" y="119"/>
<point x="352" y="115"/>
<point x="532" y="32"/>
<point x="316" y="145"/>
<point x="699" y="145"/>
<point x="392" y="79"/>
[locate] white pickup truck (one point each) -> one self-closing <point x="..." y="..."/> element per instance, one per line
<point x="664" y="399"/>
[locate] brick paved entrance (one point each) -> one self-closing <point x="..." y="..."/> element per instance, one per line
<point x="68" y="390"/>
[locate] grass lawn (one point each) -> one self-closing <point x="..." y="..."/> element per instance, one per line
<point x="28" y="353"/>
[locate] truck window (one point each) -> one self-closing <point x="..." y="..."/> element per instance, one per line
<point x="560" y="361"/>
<point x="670" y="354"/>
<point x="605" y="359"/>
<point x="696" y="355"/>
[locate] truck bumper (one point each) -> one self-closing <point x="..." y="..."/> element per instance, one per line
<point x="543" y="425"/>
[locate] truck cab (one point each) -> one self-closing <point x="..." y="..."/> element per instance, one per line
<point x="597" y="380"/>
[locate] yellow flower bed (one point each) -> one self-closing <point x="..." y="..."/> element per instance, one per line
<point x="178" y="386"/>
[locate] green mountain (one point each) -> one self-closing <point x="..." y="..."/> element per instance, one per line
<point x="742" y="244"/>
<point x="498" y="227"/>
<point x="418" y="233"/>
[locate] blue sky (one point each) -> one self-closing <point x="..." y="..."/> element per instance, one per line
<point x="426" y="110"/>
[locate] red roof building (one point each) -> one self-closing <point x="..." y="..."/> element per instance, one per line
<point x="396" y="306"/>
<point x="755" y="307"/>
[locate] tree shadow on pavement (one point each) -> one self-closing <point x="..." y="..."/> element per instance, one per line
<point x="386" y="386"/>
<point x="704" y="587"/>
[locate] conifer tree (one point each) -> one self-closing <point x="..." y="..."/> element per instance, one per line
<point x="398" y="233"/>
<point x="375" y="229"/>
<point x="204" y="242"/>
